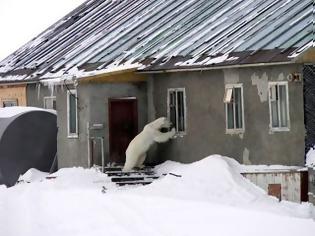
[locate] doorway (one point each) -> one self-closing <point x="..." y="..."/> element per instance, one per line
<point x="123" y="127"/>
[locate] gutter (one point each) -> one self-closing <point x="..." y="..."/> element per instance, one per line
<point x="214" y="67"/>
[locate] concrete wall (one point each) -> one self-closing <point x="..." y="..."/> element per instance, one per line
<point x="93" y="108"/>
<point x="206" y="128"/>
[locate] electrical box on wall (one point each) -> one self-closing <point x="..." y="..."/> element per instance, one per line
<point x="294" y="77"/>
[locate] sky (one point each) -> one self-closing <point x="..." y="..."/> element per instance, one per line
<point x="22" y="20"/>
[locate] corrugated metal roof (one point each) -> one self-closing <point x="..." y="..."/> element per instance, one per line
<point x="102" y="34"/>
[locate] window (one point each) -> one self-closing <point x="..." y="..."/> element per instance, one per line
<point x="176" y="109"/>
<point x="50" y="102"/>
<point x="9" y="103"/>
<point x="279" y="106"/>
<point x="234" y="108"/>
<point x="72" y="114"/>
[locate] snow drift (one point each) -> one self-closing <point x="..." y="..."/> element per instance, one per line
<point x="208" y="197"/>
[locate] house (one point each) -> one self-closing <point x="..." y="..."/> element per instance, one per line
<point x="235" y="77"/>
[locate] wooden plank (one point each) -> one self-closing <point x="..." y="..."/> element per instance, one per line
<point x="133" y="183"/>
<point x="16" y="92"/>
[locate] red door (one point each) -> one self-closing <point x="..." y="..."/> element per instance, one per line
<point x="123" y="127"/>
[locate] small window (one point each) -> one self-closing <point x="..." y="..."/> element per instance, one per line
<point x="72" y="114"/>
<point x="177" y="109"/>
<point x="50" y="102"/>
<point x="234" y="108"/>
<point x="279" y="106"/>
<point x="9" y="103"/>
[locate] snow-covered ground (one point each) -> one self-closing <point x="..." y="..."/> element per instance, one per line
<point x="208" y="197"/>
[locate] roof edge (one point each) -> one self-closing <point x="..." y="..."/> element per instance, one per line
<point x="216" y="67"/>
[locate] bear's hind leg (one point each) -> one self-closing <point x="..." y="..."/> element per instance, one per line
<point x="141" y="161"/>
<point x="130" y="163"/>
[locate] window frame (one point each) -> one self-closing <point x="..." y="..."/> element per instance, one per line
<point x="47" y="98"/>
<point x="72" y="92"/>
<point x="279" y="129"/>
<point x="169" y="90"/>
<point x="12" y="100"/>
<point x="234" y="130"/>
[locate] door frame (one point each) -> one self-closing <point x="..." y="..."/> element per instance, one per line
<point x="135" y="117"/>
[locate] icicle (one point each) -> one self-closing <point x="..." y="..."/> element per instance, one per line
<point x="51" y="87"/>
<point x="38" y="90"/>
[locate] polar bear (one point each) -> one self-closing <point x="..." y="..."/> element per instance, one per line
<point x="138" y="147"/>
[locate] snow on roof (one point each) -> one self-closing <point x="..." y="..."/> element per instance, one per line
<point x="7" y="112"/>
<point x="101" y="33"/>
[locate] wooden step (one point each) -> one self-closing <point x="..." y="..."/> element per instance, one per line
<point x="113" y="168"/>
<point x="137" y="176"/>
<point x="143" y="182"/>
<point x="133" y="178"/>
<point x="119" y="168"/>
<point x="121" y="173"/>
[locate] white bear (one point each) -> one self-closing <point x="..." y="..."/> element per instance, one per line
<point x="138" y="147"/>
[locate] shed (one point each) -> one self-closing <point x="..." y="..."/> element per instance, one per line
<point x="284" y="182"/>
<point x="28" y="139"/>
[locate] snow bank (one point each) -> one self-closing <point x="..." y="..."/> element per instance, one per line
<point x="33" y="175"/>
<point x="218" y="179"/>
<point x="7" y="112"/>
<point x="208" y="197"/>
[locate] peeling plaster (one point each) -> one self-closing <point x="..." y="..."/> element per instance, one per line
<point x="231" y="76"/>
<point x="262" y="86"/>
<point x="246" y="160"/>
<point x="281" y="77"/>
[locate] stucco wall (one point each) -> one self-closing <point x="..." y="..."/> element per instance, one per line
<point x="206" y="128"/>
<point x="93" y="108"/>
<point x="35" y="94"/>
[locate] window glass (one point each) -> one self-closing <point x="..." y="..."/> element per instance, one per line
<point x="72" y="114"/>
<point x="238" y="108"/>
<point x="279" y="113"/>
<point x="176" y="109"/>
<point x="283" y="105"/>
<point x="9" y="103"/>
<point x="50" y="103"/>
<point x="230" y="114"/>
<point x="172" y="108"/>
<point x="181" y="115"/>
<point x="233" y="99"/>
